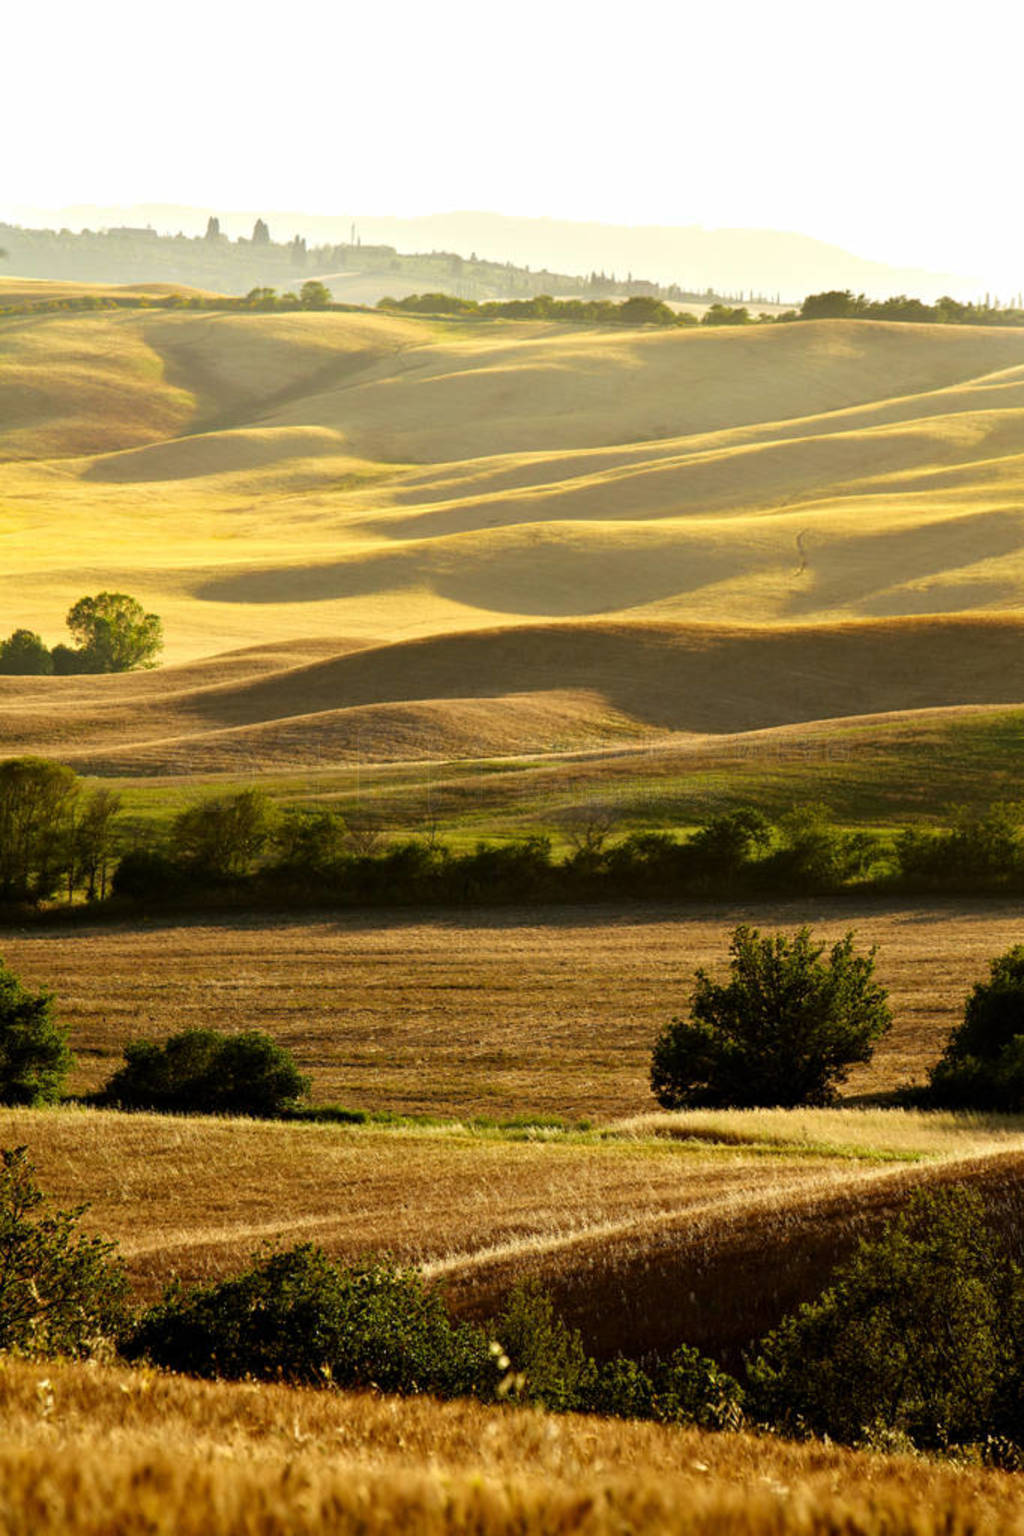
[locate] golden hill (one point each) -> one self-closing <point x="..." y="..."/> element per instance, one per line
<point x="634" y="508"/>
<point x="519" y="689"/>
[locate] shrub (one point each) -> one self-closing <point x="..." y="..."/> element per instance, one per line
<point x="783" y="1030"/>
<point x="60" y="1291"/>
<point x="295" y="1316"/>
<point x="34" y="1055"/>
<point x="547" y="1354"/>
<point x="919" y="1335"/>
<point x="552" y="1367"/>
<point x="983" y="1063"/>
<point x="201" y="1071"/>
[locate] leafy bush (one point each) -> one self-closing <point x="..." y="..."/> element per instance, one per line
<point x="919" y="1335"/>
<point x="60" y="1291"/>
<point x="551" y="1366"/>
<point x="980" y="851"/>
<point x="296" y="1316"/>
<point x="983" y="1063"/>
<point x="201" y="1071"/>
<point x="34" y="1055"/>
<point x="783" y="1030"/>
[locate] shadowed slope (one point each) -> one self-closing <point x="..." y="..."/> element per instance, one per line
<point x="514" y="690"/>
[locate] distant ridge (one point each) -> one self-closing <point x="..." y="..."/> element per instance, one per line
<point x="727" y="260"/>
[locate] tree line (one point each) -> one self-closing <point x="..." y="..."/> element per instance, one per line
<point x="60" y="839"/>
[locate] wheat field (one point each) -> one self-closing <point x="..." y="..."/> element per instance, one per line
<point x="90" y="1449"/>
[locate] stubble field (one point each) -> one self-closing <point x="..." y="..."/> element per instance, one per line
<point x="502" y="1012"/>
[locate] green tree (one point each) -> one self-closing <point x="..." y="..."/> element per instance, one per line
<point x="919" y="1333"/>
<point x="982" y="1066"/>
<point x="314" y="295"/>
<point x="25" y="654"/>
<point x="94" y="842"/>
<point x="202" y="1071"/>
<point x="784" y="1029"/>
<point x="223" y="835"/>
<point x="34" y="1055"/>
<point x="37" y="802"/>
<point x="114" y="633"/>
<point x="61" y="1292"/>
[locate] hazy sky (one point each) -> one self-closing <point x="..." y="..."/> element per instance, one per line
<point x="891" y="127"/>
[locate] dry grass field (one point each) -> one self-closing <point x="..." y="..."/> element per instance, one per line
<point x="496" y="1013"/>
<point x="459" y="540"/>
<point x="648" y="1231"/>
<point x="90" y="1450"/>
<point x="531" y="564"/>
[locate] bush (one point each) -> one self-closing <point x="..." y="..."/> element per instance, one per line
<point x="919" y="1335"/>
<point x="783" y="1030"/>
<point x="296" y="1316"/>
<point x="983" y="1063"/>
<point x="204" y="1072"/>
<point x="60" y="1292"/>
<point x="34" y="1055"/>
<point x="550" y="1366"/>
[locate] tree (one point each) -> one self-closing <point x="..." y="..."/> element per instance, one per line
<point x="223" y="835"/>
<point x="260" y="233"/>
<point x="60" y="1291"/>
<point x="34" y="1055"/>
<point x="918" y="1334"/>
<point x="212" y="228"/>
<point x="37" y="801"/>
<point x="982" y="1066"/>
<point x="205" y="1072"/>
<point x="314" y="295"/>
<point x="25" y="654"/>
<point x="783" y="1030"/>
<point x="115" y="633"/>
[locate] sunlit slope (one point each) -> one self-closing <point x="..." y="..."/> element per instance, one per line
<point x="259" y="477"/>
<point x="528" y="688"/>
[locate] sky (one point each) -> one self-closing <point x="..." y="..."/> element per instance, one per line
<point x="890" y="127"/>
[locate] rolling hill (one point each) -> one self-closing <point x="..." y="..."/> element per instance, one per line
<point x="459" y="539"/>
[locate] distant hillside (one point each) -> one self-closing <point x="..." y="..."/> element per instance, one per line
<point x="356" y="271"/>
<point x="730" y="261"/>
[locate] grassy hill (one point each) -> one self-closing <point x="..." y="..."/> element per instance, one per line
<point x="284" y="476"/>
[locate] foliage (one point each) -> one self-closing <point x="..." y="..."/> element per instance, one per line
<point x="314" y="295"/>
<point x="639" y="309"/>
<point x="37" y="801"/>
<point x="982" y="1066"/>
<point x="60" y="1291"/>
<point x="814" y="855"/>
<point x="114" y="633"/>
<point x="202" y="1071"/>
<point x="295" y="1316"/>
<point x="25" y="654"/>
<point x="782" y="1031"/>
<point x="726" y="314"/>
<point x="34" y="1055"/>
<point x="223" y="835"/>
<point x="550" y="1366"/>
<point x="980" y="850"/>
<point x="920" y="1334"/>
